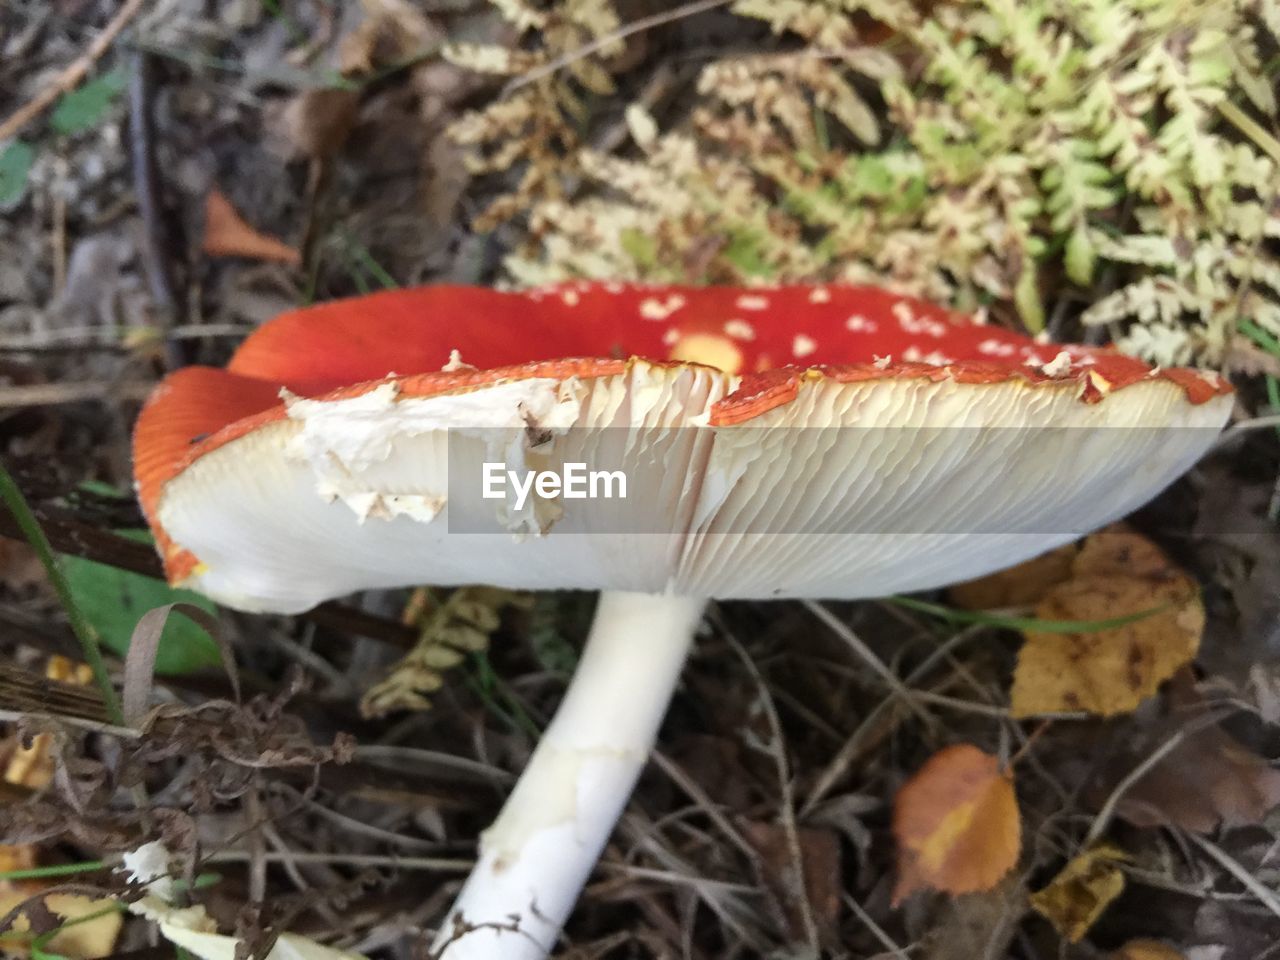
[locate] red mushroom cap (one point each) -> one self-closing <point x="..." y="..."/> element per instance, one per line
<point x="771" y="343"/>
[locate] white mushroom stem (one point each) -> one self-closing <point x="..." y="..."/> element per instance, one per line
<point x="537" y="856"/>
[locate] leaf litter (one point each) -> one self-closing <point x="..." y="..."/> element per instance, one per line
<point x="326" y="126"/>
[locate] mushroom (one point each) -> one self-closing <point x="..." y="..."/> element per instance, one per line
<point x="342" y="449"/>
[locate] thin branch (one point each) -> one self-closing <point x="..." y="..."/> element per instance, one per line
<point x="1101" y="821"/>
<point x="1266" y="896"/>
<point x="69" y="78"/>
<point x="599" y="43"/>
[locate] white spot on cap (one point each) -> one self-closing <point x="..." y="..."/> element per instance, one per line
<point x="740" y="330"/>
<point x="671" y="337"/>
<point x="980" y="317"/>
<point x="917" y="326"/>
<point x="570" y="297"/>
<point x="752" y="302"/>
<point x="860" y="324"/>
<point x="803" y="346"/>
<point x="881" y="363"/>
<point x="614" y="287"/>
<point x="455" y="363"/>
<point x="935" y="358"/>
<point x="1059" y="365"/>
<point x="653" y="308"/>
<point x="996" y="348"/>
<point x="819" y="295"/>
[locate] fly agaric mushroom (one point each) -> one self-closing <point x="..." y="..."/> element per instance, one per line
<point x="308" y="469"/>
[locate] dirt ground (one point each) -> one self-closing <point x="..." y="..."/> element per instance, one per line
<point x="303" y="814"/>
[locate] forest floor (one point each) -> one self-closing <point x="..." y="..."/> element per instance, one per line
<point x="786" y="743"/>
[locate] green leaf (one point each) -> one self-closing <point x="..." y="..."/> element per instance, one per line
<point x="743" y="252"/>
<point x="640" y="247"/>
<point x="84" y="109"/>
<point x="1081" y="256"/>
<point x="1026" y="297"/>
<point x="113" y="600"/>
<point x="15" y="165"/>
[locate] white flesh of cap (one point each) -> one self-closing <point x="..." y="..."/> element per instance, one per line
<point x="352" y="494"/>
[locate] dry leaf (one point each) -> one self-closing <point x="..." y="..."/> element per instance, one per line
<point x="1209" y="778"/>
<point x="820" y="855"/>
<point x="1119" y="551"/>
<point x="1107" y="672"/>
<point x="391" y="32"/>
<point x="1147" y="950"/>
<point x="956" y="823"/>
<point x="1017" y="586"/>
<point x="1075" y="899"/>
<point x="227" y="235"/>
<point x="20" y="566"/>
<point x="32" y="765"/>
<point x="83" y="941"/>
<point x="977" y="925"/>
<point x="318" y="122"/>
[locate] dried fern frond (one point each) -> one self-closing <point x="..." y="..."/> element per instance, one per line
<point x="460" y="624"/>
<point x="996" y="152"/>
<point x="536" y="126"/>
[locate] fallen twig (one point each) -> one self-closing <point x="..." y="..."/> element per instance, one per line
<point x="73" y="74"/>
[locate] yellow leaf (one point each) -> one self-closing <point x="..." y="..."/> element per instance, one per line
<point x="1146" y="950"/>
<point x="956" y="823"/>
<point x="1017" y="586"/>
<point x="1107" y="672"/>
<point x="81" y="941"/>
<point x="1115" y="573"/>
<point x="1078" y="895"/>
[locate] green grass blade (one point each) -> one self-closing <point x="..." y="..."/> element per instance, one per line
<point x="1022" y="623"/>
<point x="89" y="644"/>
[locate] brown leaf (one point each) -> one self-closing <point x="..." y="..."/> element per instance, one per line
<point x="1116" y="574"/>
<point x="978" y="925"/>
<point x="392" y="32"/>
<point x="20" y="567"/>
<point x="1075" y="899"/>
<point x="318" y="122"/>
<point x="1209" y="778"/>
<point x="226" y="234"/>
<point x="1146" y="950"/>
<point x="1017" y="586"/>
<point x="956" y="823"/>
<point x="820" y="855"/>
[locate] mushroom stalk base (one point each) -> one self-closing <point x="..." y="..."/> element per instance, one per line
<point x="537" y="856"/>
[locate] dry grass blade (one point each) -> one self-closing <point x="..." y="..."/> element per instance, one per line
<point x="777" y="749"/>
<point x="856" y="644"/>
<point x="853" y="746"/>
<point x="1265" y="895"/>
<point x="144" y="645"/>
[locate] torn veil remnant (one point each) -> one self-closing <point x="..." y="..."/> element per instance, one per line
<point x="835" y="442"/>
